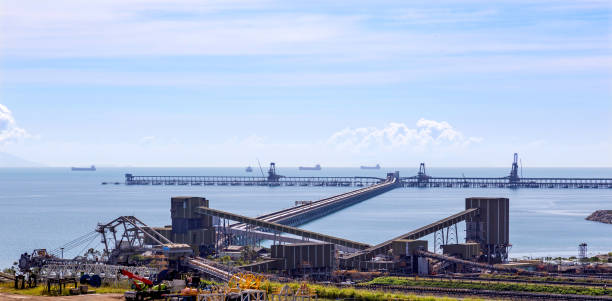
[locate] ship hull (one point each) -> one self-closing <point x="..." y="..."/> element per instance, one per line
<point x="91" y="168"/>
<point x="317" y="167"/>
<point x="370" y="167"/>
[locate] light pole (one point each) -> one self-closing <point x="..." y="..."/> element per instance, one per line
<point x="62" y="252"/>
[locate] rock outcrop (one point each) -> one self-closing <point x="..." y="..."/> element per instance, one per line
<point x="602" y="216"/>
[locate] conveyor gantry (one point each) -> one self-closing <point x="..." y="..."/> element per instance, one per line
<point x="300" y="215"/>
<point x="366" y="251"/>
<point x="282" y="228"/>
<point x="380" y="248"/>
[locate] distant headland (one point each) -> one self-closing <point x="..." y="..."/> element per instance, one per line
<point x="602" y="216"/>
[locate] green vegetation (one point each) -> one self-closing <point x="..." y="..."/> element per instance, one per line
<point x="323" y="292"/>
<point x="248" y="256"/>
<point x="8" y="287"/>
<point x="516" y="287"/>
<point x="332" y="292"/>
<point x="548" y="278"/>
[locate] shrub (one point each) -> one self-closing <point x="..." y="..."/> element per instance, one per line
<point x="496" y="286"/>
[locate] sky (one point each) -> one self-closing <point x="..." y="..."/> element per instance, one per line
<point x="338" y="83"/>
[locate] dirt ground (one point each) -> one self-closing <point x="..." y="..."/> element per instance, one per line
<point x="92" y="297"/>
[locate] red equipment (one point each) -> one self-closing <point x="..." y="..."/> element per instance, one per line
<point x="139" y="278"/>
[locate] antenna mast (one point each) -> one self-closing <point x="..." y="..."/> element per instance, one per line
<point x="260" y="169"/>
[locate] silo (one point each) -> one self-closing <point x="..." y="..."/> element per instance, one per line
<point x="491" y="227"/>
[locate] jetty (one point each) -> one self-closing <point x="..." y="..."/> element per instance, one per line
<point x="421" y="180"/>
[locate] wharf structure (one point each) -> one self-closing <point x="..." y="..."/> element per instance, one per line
<point x="420" y="180"/>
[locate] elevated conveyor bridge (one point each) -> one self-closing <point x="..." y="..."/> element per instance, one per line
<point x="369" y="253"/>
<point x="365" y="252"/>
<point x="307" y="212"/>
<point x="282" y="228"/>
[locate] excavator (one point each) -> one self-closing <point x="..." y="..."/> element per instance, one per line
<point x="144" y="288"/>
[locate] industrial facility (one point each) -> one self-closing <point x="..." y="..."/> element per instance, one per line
<point x="198" y="234"/>
<point x="208" y="243"/>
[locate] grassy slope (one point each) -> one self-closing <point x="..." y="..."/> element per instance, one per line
<point x="41" y="290"/>
<point x="332" y="292"/>
<point x="516" y="287"/>
<point x="326" y="292"/>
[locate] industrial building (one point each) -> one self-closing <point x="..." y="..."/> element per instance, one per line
<point x="189" y="227"/>
<point x="490" y="227"/>
<point x="305" y="258"/>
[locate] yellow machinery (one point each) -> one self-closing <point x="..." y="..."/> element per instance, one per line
<point x="247" y="287"/>
<point x="244" y="281"/>
<point x="285" y="293"/>
<point x="305" y="292"/>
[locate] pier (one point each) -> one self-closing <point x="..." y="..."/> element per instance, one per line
<point x="477" y="182"/>
<point x="421" y="180"/>
<point x="251" y="181"/>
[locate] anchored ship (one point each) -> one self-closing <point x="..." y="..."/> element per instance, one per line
<point x="91" y="168"/>
<point x="316" y="167"/>
<point x="249" y="169"/>
<point x="371" y="167"/>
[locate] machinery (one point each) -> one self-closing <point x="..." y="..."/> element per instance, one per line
<point x="514" y="176"/>
<point x="144" y="288"/>
<point x="272" y="175"/>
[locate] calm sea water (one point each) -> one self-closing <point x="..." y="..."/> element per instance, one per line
<point x="47" y="207"/>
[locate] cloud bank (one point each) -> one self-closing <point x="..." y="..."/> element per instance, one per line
<point x="9" y="131"/>
<point x="396" y="136"/>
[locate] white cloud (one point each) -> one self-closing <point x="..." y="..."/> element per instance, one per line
<point x="9" y="131"/>
<point x="427" y="134"/>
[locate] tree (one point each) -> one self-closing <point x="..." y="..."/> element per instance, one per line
<point x="248" y="253"/>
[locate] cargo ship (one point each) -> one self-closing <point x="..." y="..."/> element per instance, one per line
<point x="249" y="169"/>
<point x="91" y="168"/>
<point x="370" y="167"/>
<point x="316" y="167"/>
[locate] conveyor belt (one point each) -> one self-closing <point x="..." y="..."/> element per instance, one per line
<point x="302" y="214"/>
<point x="209" y="269"/>
<point x="416" y="234"/>
<point x="6" y="276"/>
<point x="482" y="266"/>
<point x="282" y="228"/>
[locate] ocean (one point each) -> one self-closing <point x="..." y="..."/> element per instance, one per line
<point x="47" y="207"/>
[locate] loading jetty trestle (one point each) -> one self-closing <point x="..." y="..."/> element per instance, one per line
<point x="251" y="181"/>
<point x="420" y="180"/>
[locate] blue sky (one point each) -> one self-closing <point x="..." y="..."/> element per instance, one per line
<point x="220" y="83"/>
